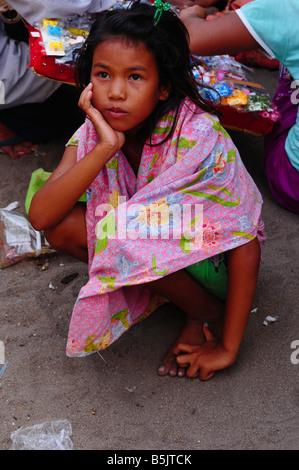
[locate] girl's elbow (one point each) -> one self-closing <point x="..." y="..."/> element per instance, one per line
<point x="36" y="224"/>
<point x="37" y="220"/>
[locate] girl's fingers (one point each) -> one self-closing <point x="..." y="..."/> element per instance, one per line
<point x="183" y="359"/>
<point x="206" y="374"/>
<point x="103" y="129"/>
<point x="207" y="332"/>
<point x="181" y="347"/>
<point x="192" y="371"/>
<point x="86" y="105"/>
<point x="85" y="98"/>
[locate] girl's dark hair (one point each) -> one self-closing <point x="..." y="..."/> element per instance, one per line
<point x="168" y="41"/>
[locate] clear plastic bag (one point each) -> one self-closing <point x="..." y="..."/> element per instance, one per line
<point x="18" y="239"/>
<point x="50" y="435"/>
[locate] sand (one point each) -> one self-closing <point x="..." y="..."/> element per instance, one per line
<point x="117" y="401"/>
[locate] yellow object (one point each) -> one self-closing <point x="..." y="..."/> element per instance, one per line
<point x="50" y="22"/>
<point x="237" y="98"/>
<point x="78" y="32"/>
<point x="56" y="45"/>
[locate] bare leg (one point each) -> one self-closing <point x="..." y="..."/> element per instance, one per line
<point x="69" y="236"/>
<point x="198" y="304"/>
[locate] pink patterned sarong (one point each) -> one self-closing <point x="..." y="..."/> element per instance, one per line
<point x="139" y="228"/>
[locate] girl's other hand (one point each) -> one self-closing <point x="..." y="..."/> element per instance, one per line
<point x="108" y="137"/>
<point x="205" y="359"/>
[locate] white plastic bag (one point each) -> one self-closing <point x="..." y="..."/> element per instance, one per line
<point x="50" y="435"/>
<point x="18" y="239"/>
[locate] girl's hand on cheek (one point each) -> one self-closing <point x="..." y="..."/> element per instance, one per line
<point x="108" y="137"/>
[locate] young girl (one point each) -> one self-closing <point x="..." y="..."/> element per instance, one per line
<point x="149" y="150"/>
<point x="272" y="26"/>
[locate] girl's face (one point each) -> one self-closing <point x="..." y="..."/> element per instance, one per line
<point x="125" y="84"/>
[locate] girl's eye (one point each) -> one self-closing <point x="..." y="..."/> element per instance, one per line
<point x="103" y="74"/>
<point x="135" y="77"/>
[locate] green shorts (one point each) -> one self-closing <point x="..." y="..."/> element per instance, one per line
<point x="212" y="274"/>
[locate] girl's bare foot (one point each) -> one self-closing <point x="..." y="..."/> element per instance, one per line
<point x="192" y="333"/>
<point x="199" y="306"/>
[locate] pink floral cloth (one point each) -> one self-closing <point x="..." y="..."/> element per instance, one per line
<point x="144" y="236"/>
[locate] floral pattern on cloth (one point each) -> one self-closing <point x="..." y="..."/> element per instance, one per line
<point x="133" y="236"/>
<point x="272" y="113"/>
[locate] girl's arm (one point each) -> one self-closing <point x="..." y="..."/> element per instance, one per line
<point x="224" y="35"/>
<point x="243" y="265"/>
<point x="66" y="185"/>
<point x="71" y="178"/>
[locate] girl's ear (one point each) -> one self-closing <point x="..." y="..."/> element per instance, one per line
<point x="165" y="91"/>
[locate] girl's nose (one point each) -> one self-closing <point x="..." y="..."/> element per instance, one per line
<point x="117" y="90"/>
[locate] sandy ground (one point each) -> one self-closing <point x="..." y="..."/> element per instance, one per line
<point x="119" y="402"/>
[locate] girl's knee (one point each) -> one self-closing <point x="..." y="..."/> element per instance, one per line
<point x="56" y="237"/>
<point x="69" y="236"/>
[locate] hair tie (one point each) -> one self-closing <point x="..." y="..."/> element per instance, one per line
<point x="160" y="7"/>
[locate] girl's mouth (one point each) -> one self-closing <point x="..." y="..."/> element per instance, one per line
<point x="116" y="112"/>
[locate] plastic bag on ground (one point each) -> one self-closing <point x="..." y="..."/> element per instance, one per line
<point x="50" y="435"/>
<point x="18" y="239"/>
